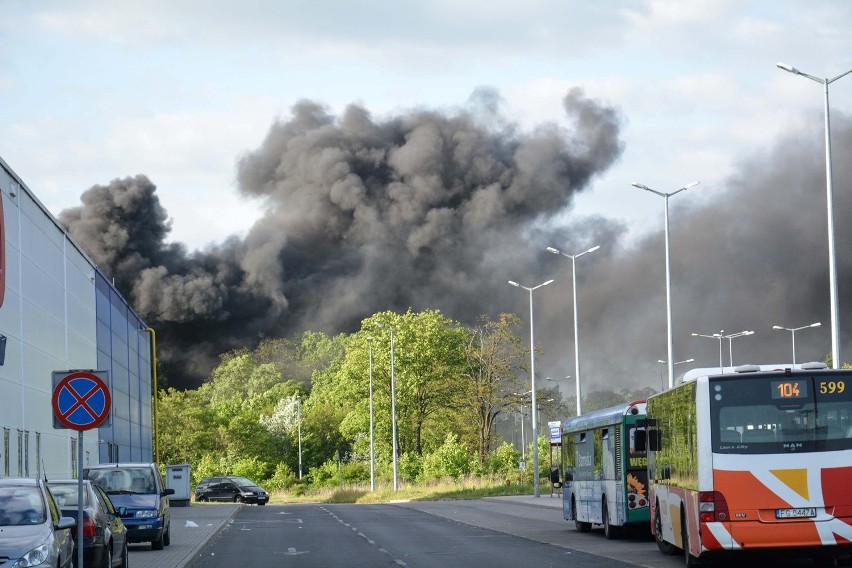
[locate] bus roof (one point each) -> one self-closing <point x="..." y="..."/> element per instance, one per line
<point x="693" y="374"/>
<point x="603" y="417"/>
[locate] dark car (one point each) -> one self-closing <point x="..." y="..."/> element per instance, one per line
<point x="104" y="533"/>
<point x="33" y="532"/>
<point x="139" y="488"/>
<point x="230" y="488"/>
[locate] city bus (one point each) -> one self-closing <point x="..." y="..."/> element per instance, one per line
<point x="605" y="474"/>
<point x="758" y="458"/>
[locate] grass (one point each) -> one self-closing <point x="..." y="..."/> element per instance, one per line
<point x="384" y="493"/>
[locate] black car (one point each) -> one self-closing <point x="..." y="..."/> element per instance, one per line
<point x="104" y="533"/>
<point x="232" y="489"/>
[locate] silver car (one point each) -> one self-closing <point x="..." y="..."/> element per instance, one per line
<point x="33" y="532"/>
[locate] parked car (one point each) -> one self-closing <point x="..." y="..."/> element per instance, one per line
<point x="104" y="533"/>
<point x="33" y="532"/>
<point x="230" y="488"/>
<point x="140" y="489"/>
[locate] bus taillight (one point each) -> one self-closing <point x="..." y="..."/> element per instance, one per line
<point x="712" y="507"/>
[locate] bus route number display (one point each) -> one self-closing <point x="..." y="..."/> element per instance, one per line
<point x="791" y="389"/>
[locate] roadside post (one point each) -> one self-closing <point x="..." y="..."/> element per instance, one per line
<point x="81" y="401"/>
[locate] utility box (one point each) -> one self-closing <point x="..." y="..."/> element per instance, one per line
<point x="178" y="478"/>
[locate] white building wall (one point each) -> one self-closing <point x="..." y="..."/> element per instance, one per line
<point x="49" y="318"/>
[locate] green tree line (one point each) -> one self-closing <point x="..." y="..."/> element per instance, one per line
<point x="453" y="385"/>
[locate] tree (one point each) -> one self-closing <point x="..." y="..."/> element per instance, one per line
<point x="493" y="354"/>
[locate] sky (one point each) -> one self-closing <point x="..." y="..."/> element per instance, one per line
<point x="189" y="93"/>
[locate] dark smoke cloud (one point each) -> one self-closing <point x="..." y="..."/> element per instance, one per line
<point x="425" y="209"/>
<point x="754" y="257"/>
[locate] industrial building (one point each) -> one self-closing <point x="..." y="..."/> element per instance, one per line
<point x="59" y="312"/>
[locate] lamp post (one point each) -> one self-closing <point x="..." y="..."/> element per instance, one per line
<point x="393" y="408"/>
<point x="720" y="337"/>
<point x="836" y="361"/>
<point x="793" y="331"/>
<point x="675" y="364"/>
<point x="372" y="445"/>
<point x="730" y="339"/>
<point x="666" y="196"/>
<point x="299" y="426"/>
<point x="532" y="378"/>
<point x="574" y="258"/>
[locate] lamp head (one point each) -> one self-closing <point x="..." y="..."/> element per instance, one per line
<point x="548" y="282"/>
<point x="553" y="250"/>
<point x="639" y="185"/>
<point x="594" y="248"/>
<point x="817" y="324"/>
<point x="693" y="184"/>
<point x="513" y="283"/>
<point x="787" y="68"/>
<point x="777" y="327"/>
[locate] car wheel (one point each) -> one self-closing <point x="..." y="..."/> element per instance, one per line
<point x="167" y="537"/>
<point x="238" y="499"/>
<point x="159" y="543"/>
<point x="261" y="503"/>
<point x="124" y="555"/>
<point x="107" y="556"/>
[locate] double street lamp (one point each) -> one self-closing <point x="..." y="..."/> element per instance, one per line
<point x="676" y="363"/>
<point x="574" y="258"/>
<point x="666" y="196"/>
<point x="731" y="338"/>
<point x="532" y="377"/>
<point x="393" y="407"/>
<point x="793" y="331"/>
<point x="718" y="336"/>
<point x="836" y="360"/>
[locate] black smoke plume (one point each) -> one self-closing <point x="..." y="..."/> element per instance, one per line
<point x="425" y="209"/>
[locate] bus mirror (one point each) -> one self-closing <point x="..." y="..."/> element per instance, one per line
<point x="655" y="440"/>
<point x="554" y="475"/>
<point x="667" y="471"/>
<point x="639" y="440"/>
<point x="569" y="475"/>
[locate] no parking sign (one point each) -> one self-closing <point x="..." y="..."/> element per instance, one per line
<point x="81" y="399"/>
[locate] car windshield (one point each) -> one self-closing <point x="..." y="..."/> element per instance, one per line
<point x="65" y="494"/>
<point x="21" y="506"/>
<point x="124" y="479"/>
<point x="244" y="482"/>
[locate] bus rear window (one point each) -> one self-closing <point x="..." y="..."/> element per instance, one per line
<point x="756" y="415"/>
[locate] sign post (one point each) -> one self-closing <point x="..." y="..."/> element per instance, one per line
<point x="81" y="401"/>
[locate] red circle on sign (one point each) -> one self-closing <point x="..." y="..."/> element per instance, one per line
<point x="65" y="385"/>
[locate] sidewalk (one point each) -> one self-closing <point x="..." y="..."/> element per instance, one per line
<point x="191" y="528"/>
<point x="546" y="500"/>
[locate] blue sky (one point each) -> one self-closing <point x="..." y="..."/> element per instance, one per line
<point x="180" y="89"/>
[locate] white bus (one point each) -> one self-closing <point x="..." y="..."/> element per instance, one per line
<point x="605" y="475"/>
<point x="754" y="459"/>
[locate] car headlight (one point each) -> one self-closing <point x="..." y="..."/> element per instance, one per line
<point x="145" y="514"/>
<point x="34" y="557"/>
<point x="248" y="493"/>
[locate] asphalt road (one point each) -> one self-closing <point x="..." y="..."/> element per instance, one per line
<point x="357" y="536"/>
<point x="492" y="532"/>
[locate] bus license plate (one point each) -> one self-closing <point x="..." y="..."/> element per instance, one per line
<point x="802" y="513"/>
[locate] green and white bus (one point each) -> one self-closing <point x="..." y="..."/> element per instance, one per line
<point x="606" y="478"/>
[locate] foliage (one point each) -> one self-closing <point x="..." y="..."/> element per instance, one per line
<point x="504" y="460"/>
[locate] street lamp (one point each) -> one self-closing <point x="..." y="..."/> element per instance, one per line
<point x="720" y="338"/>
<point x="793" y="331"/>
<point x="372" y="446"/>
<point x="393" y="408"/>
<point x="666" y="196"/>
<point x="675" y="364"/>
<point x="532" y="378"/>
<point x="574" y="258"/>
<point x="730" y="339"/>
<point x="832" y="263"/>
